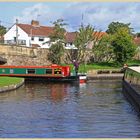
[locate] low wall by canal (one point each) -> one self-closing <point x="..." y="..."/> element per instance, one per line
<point x="132" y="95"/>
<point x="11" y="87"/>
<point x="104" y="74"/>
<point x="131" y="86"/>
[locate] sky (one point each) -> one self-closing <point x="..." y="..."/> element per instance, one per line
<point x="97" y="14"/>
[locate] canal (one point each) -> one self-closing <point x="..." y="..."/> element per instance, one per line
<point x="44" y="110"/>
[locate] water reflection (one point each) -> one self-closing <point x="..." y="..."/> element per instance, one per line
<point x="46" y="110"/>
<point x="55" y="92"/>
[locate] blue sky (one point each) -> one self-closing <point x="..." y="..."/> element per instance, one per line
<point x="98" y="14"/>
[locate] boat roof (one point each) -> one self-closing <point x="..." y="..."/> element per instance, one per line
<point x="49" y="66"/>
<point x="135" y="68"/>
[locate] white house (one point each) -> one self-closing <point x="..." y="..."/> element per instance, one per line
<point x="35" y="35"/>
<point x="30" y="35"/>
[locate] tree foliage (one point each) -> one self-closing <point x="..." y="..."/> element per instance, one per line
<point x="2" y="30"/>
<point x="114" y="26"/>
<point x="103" y="50"/>
<point x="123" y="45"/>
<point x="57" y="39"/>
<point x="91" y="45"/>
<point x="138" y="34"/>
<point x="83" y="38"/>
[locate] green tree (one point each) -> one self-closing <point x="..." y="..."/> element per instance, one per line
<point x="83" y="38"/>
<point x="2" y="30"/>
<point x="103" y="50"/>
<point x="57" y="39"/>
<point x="123" y="45"/>
<point x="138" y="34"/>
<point x="114" y="26"/>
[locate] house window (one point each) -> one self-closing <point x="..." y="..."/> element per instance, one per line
<point x="48" y="71"/>
<point x="15" y="39"/>
<point x="32" y="38"/>
<point x="30" y="71"/>
<point x="41" y="39"/>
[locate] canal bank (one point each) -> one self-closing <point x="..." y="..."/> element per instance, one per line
<point x="10" y="83"/>
<point x="105" y="77"/>
<point x="131" y="86"/>
<point x="104" y="74"/>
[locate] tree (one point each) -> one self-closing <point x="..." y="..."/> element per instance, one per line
<point x="57" y="39"/>
<point x="138" y="34"/>
<point x="123" y="45"/>
<point x="114" y="26"/>
<point x="83" y="37"/>
<point x="2" y="30"/>
<point x="103" y="50"/>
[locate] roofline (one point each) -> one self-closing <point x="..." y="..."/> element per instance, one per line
<point x="9" y="28"/>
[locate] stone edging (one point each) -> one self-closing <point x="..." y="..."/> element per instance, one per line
<point x="104" y="76"/>
<point x="11" y="87"/>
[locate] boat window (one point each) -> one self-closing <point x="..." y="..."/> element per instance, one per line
<point x="11" y="71"/>
<point x="48" y="71"/>
<point x="30" y="71"/>
<point x="57" y="71"/>
<point x="3" y="70"/>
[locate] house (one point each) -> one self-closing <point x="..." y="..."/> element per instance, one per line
<point x="137" y="41"/>
<point x="70" y="38"/>
<point x="30" y="35"/>
<point x="35" y="35"/>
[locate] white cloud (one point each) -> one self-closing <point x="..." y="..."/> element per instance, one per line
<point x="101" y="15"/>
<point x="40" y="12"/>
<point x="98" y="14"/>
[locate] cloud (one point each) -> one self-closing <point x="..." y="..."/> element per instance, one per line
<point x="98" y="14"/>
<point x="39" y="11"/>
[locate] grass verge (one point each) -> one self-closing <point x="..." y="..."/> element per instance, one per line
<point x="105" y="66"/>
<point x="6" y="81"/>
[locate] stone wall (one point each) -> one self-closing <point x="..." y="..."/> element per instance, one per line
<point x="17" y="55"/>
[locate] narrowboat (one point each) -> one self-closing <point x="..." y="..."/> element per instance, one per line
<point x="131" y="86"/>
<point x="50" y="73"/>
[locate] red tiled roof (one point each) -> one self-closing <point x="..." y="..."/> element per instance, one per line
<point x="36" y="30"/>
<point x="137" y="41"/>
<point x="70" y="36"/>
<point x="46" y="31"/>
<point x="99" y="34"/>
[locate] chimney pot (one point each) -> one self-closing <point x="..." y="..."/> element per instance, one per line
<point x="35" y="23"/>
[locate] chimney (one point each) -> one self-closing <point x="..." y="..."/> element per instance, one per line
<point x="35" y="23"/>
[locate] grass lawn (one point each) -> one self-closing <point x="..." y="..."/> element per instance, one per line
<point x="5" y="81"/>
<point x="105" y="65"/>
<point x="133" y="62"/>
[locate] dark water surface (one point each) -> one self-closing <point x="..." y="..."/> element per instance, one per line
<point x="95" y="110"/>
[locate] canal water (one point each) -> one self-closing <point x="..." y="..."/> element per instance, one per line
<point x="97" y="109"/>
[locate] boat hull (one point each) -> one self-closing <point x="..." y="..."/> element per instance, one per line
<point x="53" y="79"/>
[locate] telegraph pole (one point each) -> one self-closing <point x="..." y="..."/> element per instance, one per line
<point x="16" y="32"/>
<point x="82" y="24"/>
